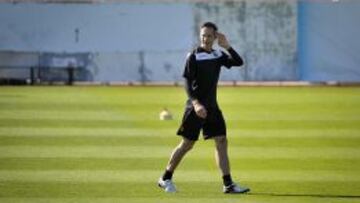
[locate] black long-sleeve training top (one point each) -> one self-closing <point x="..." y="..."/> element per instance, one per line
<point x="202" y="71"/>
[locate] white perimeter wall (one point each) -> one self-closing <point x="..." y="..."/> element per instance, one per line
<point x="149" y="41"/>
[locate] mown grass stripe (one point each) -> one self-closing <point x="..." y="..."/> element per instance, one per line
<point x="85" y="141"/>
<point x="258" y="100"/>
<point x="187" y="189"/>
<point x="85" y="132"/>
<point x="193" y="175"/>
<point x="244" y="124"/>
<point x="113" y="199"/>
<point x="189" y="163"/>
<point x="169" y="132"/>
<point x="156" y="152"/>
<point x="165" y="141"/>
<point x="61" y="114"/>
<point x="225" y="199"/>
<point x="123" y="114"/>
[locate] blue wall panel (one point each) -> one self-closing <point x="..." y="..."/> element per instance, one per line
<point x="328" y="40"/>
<point x="122" y="27"/>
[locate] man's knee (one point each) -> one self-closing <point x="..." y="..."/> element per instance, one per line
<point x="186" y="145"/>
<point x="220" y="141"/>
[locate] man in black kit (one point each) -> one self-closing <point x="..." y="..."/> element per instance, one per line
<point x="202" y="111"/>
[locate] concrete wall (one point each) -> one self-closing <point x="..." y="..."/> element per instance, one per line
<point x="329" y="44"/>
<point x="125" y="27"/>
<point x="128" y="41"/>
<point x="139" y="41"/>
<point x="264" y="32"/>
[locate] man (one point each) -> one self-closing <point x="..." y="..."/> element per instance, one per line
<point x="201" y="75"/>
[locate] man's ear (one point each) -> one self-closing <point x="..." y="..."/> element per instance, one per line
<point x="216" y="34"/>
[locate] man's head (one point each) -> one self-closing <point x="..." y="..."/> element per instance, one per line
<point x="208" y="35"/>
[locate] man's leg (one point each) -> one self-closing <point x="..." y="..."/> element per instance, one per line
<point x="178" y="153"/>
<point x="222" y="160"/>
<point x="221" y="155"/>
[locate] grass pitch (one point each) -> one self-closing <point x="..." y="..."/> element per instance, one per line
<point x="107" y="144"/>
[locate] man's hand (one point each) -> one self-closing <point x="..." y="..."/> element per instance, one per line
<point x="199" y="109"/>
<point x="222" y="41"/>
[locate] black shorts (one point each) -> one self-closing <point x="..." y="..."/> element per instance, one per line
<point x="213" y="125"/>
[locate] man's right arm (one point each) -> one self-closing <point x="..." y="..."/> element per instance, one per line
<point x="190" y="79"/>
<point x="191" y="85"/>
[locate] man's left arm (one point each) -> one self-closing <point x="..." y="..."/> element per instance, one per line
<point x="234" y="59"/>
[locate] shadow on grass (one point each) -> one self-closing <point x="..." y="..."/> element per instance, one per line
<point x="305" y="195"/>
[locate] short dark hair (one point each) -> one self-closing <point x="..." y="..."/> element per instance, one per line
<point x="210" y="25"/>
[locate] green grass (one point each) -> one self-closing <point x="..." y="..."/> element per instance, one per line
<point x="106" y="144"/>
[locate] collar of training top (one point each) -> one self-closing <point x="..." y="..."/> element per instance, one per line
<point x="201" y="54"/>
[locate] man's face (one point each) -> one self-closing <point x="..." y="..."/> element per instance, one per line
<point x="207" y="36"/>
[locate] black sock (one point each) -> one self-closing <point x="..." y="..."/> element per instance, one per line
<point x="227" y="180"/>
<point x="167" y="175"/>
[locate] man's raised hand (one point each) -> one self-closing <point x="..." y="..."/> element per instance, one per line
<point x="222" y="41"/>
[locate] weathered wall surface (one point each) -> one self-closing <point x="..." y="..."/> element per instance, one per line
<point x="122" y="27"/>
<point x="128" y="41"/>
<point x="138" y="41"/>
<point x="264" y="32"/>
